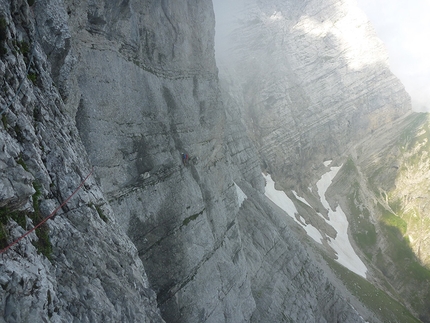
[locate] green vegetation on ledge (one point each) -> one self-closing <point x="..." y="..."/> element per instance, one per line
<point x="101" y="214"/>
<point x="385" y="307"/>
<point x="191" y="218"/>
<point x="43" y="243"/>
<point x="3" y="36"/>
<point x="400" y="181"/>
<point x="364" y="233"/>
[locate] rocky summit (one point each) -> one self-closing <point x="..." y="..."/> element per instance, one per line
<point x="132" y="161"/>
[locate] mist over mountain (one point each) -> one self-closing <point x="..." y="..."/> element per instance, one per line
<point x="403" y="26"/>
<point x="184" y="179"/>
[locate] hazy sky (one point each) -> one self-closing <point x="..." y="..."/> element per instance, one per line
<point x="224" y="17"/>
<point x="404" y="27"/>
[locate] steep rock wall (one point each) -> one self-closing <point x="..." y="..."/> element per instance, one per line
<point x="396" y="193"/>
<point x="139" y="109"/>
<point x="312" y="79"/>
<point x="138" y="83"/>
<point x="78" y="267"/>
<point x="280" y="66"/>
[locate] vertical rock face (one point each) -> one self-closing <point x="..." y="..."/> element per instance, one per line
<point x="79" y="267"/>
<point x="145" y="101"/>
<point x="128" y="88"/>
<point x="314" y="77"/>
<point x="148" y="93"/>
<point x="313" y="81"/>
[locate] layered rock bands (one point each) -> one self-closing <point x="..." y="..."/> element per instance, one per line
<point x="126" y="89"/>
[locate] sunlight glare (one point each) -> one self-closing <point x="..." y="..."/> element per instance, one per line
<point x="358" y="42"/>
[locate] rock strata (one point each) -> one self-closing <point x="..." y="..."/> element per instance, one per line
<point x="124" y="90"/>
<point x="311" y="78"/>
<point x="79" y="267"/>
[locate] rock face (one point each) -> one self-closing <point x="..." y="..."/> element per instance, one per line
<point x="278" y="62"/>
<point x="87" y="270"/>
<point x="312" y="79"/>
<point x="395" y="193"/>
<point x="127" y="89"/>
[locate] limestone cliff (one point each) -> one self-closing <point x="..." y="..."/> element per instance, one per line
<point x="278" y="61"/>
<point x="311" y="78"/>
<point x="393" y="189"/>
<point x="126" y="89"/>
<point x="78" y="267"/>
<point x="136" y="116"/>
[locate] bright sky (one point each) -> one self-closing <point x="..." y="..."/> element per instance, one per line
<point x="404" y="27"/>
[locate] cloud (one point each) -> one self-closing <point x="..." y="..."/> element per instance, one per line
<point x="225" y="16"/>
<point x="404" y="27"/>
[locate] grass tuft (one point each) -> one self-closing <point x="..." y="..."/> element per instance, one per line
<point x="32" y="77"/>
<point x="101" y="214"/>
<point x="43" y="244"/>
<point x="3" y="36"/>
<point x="191" y="218"/>
<point x="386" y="308"/>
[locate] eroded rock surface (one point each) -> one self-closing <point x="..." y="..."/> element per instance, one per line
<point x="87" y="270"/>
<point x="312" y="79"/>
<point x="127" y="89"/>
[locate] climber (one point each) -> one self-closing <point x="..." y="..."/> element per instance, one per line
<point x="185" y="159"/>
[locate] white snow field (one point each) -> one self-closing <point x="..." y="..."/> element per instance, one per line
<point x="241" y="196"/>
<point x="284" y="202"/>
<point x="337" y="219"/>
<point x="327" y="163"/>
<point x="301" y="199"/>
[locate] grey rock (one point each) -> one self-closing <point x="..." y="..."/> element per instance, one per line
<point x="127" y="89"/>
<point x="135" y="119"/>
<point x="93" y="272"/>
<point x="311" y="79"/>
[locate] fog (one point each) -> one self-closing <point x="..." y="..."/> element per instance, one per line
<point x="404" y="27"/>
<point x="225" y="14"/>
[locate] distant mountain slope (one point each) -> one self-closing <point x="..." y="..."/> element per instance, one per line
<point x="311" y="78"/>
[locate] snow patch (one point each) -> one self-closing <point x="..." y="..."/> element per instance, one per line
<point x="324" y="183"/>
<point x="313" y="232"/>
<point x="241" y="196"/>
<point x="301" y="199"/>
<point x="279" y="197"/>
<point x="338" y="220"/>
<point x="285" y="203"/>
<point x="327" y="163"/>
